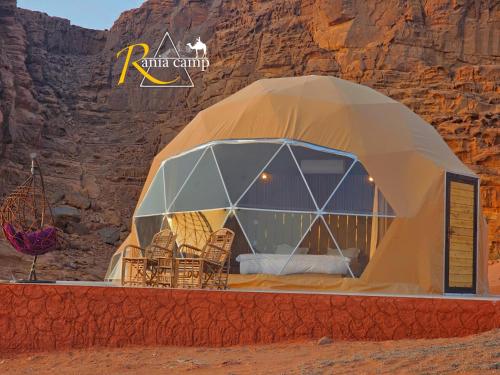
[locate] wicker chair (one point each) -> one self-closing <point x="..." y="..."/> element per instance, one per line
<point x="207" y="267"/>
<point x="134" y="265"/>
<point x="150" y="266"/>
<point x="162" y="259"/>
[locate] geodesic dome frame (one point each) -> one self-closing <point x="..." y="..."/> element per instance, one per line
<point x="279" y="191"/>
<point x="410" y="163"/>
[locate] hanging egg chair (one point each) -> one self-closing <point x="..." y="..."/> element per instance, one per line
<point x="26" y="218"/>
<point x="191" y="228"/>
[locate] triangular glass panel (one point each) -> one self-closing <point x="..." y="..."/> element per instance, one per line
<point x="358" y="236"/>
<point x="322" y="170"/>
<point x="154" y="200"/>
<point x="358" y="195"/>
<point x="240" y="163"/>
<point x="317" y="253"/>
<point x="147" y="226"/>
<point x="274" y="232"/>
<point x="350" y="231"/>
<point x="204" y="188"/>
<point x="176" y="172"/>
<point x="384" y="208"/>
<point x="317" y="240"/>
<point x="115" y="269"/>
<point x="280" y="186"/>
<point x="240" y="243"/>
<point x="216" y="218"/>
<point x="194" y="227"/>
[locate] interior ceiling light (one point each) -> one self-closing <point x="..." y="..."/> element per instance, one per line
<point x="265" y="177"/>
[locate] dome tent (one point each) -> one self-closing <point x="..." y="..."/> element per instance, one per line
<point x="412" y="171"/>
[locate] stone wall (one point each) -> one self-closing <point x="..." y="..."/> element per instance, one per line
<point x="55" y="317"/>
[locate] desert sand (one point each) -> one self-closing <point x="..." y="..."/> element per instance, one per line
<point x="477" y="354"/>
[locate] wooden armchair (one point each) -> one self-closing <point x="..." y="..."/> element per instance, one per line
<point x="150" y="266"/>
<point x="162" y="257"/>
<point x="207" y="267"/>
<point x="134" y="265"/>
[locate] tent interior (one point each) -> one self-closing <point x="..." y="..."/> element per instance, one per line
<point x="295" y="208"/>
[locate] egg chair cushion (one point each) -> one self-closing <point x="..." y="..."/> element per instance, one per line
<point x="31" y="243"/>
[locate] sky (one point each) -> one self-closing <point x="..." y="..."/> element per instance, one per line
<point x="92" y="14"/>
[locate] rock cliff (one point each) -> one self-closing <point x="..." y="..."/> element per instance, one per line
<point x="59" y="94"/>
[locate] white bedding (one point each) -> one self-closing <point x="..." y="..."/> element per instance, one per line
<point x="299" y="263"/>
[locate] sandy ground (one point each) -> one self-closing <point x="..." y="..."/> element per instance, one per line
<point x="477" y="354"/>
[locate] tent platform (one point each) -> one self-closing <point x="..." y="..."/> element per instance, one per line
<point x="70" y="315"/>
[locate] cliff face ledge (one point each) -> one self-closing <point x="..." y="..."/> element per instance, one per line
<point x="58" y="92"/>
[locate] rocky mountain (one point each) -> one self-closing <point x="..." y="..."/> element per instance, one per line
<point x="59" y="94"/>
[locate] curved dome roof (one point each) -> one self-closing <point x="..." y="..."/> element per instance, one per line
<point x="322" y="110"/>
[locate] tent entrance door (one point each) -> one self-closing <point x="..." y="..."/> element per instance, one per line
<point x="461" y="234"/>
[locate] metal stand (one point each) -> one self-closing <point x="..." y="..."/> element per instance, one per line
<point x="32" y="275"/>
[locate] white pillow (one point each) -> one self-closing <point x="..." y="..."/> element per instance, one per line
<point x="302" y="250"/>
<point x="351" y="253"/>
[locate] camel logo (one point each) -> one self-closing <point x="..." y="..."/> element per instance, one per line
<point x="167" y="68"/>
<point x="199" y="45"/>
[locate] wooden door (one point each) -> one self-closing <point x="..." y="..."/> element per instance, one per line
<point x="461" y="234"/>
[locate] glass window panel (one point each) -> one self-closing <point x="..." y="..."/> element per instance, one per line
<point x="383" y="224"/>
<point x="204" y="188"/>
<point x="353" y="235"/>
<point x="274" y="232"/>
<point x="194" y="228"/>
<point x="322" y="170"/>
<point x="240" y="243"/>
<point x="176" y="172"/>
<point x="147" y="226"/>
<point x="384" y="208"/>
<point x="317" y="253"/>
<point x="240" y="163"/>
<point x="357" y="194"/>
<point x="358" y="237"/>
<point x="215" y="218"/>
<point x="280" y="186"/>
<point x="317" y="240"/>
<point x="116" y="269"/>
<point x="154" y="200"/>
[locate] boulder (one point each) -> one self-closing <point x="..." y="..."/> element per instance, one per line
<point x="57" y="197"/>
<point x="64" y="214"/>
<point x="76" y="199"/>
<point x="109" y="235"/>
<point x="77" y="228"/>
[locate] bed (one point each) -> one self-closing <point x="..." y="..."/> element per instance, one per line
<point x="299" y="263"/>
